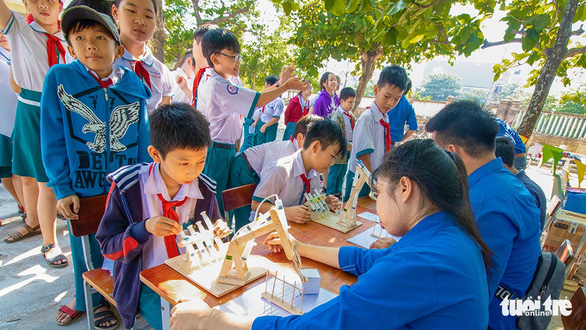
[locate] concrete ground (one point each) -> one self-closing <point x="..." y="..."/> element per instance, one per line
<point x="31" y="292"/>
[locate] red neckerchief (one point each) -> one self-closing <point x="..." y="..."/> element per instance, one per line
<point x="103" y="83"/>
<point x="306" y="182"/>
<point x="54" y="46"/>
<point x="169" y="212"/>
<point x="196" y="82"/>
<point x="141" y="72"/>
<point x="349" y="116"/>
<point x="387" y="127"/>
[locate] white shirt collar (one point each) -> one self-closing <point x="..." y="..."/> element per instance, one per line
<point x="146" y="58"/>
<point x="35" y="26"/>
<point x="376" y="114"/>
<point x="156" y="185"/>
<point x="299" y="168"/>
<point x="115" y="75"/>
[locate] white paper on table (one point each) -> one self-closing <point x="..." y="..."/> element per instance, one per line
<point x="369" y="216"/>
<point x="9" y="101"/>
<point x="251" y="303"/>
<point x="365" y="238"/>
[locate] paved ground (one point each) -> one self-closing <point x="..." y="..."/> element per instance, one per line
<point x="31" y="292"/>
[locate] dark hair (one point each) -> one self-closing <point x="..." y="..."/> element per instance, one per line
<point x="444" y="185"/>
<point x="271" y="80"/>
<point x="188" y="55"/>
<point x="201" y="30"/>
<point x="393" y="75"/>
<point x="85" y="24"/>
<point x="409" y="85"/>
<point x="178" y="126"/>
<point x="323" y="79"/>
<point x="303" y="123"/>
<point x="465" y="124"/>
<point x="101" y="6"/>
<point x="505" y="149"/>
<point x="117" y="4"/>
<point x="327" y="132"/>
<point x="215" y="40"/>
<point x="346" y="93"/>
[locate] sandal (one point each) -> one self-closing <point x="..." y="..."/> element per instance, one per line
<point x="20" y="209"/>
<point x="104" y="316"/>
<point x="73" y="314"/>
<point x="51" y="262"/>
<point x="18" y="236"/>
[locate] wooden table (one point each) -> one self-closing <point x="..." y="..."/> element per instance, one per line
<point x="174" y="287"/>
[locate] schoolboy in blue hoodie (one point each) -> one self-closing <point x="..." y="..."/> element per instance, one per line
<point x="93" y="121"/>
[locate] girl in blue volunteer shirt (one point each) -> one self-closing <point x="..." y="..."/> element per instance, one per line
<point x="433" y="278"/>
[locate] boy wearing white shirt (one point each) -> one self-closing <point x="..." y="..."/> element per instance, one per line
<point x="184" y="74"/>
<point x="268" y="121"/>
<point x="372" y="133"/>
<point x="222" y="102"/>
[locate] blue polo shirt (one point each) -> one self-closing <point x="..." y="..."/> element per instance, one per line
<point x="433" y="278"/>
<point x="399" y="116"/>
<point x="508" y="220"/>
<point x="508" y="131"/>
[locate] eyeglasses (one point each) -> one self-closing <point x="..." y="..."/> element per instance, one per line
<point x="236" y="58"/>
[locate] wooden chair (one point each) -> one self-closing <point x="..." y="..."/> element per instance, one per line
<point x="237" y="197"/>
<point x="566" y="254"/>
<point x="553" y="206"/>
<point x="90" y="214"/>
<point x="577" y="319"/>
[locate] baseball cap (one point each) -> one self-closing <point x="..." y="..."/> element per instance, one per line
<point x="78" y="13"/>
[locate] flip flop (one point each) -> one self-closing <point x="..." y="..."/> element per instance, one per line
<point x="73" y="314"/>
<point x="104" y="316"/>
<point x="18" y="236"/>
<point x="51" y="262"/>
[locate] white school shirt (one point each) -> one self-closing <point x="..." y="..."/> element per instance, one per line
<point x="7" y="95"/>
<point x="347" y="124"/>
<point x="151" y="183"/>
<point x="115" y="75"/>
<point x="28" y="44"/>
<point x="178" y="94"/>
<point x="222" y="103"/>
<point x="261" y="156"/>
<point x="283" y="178"/>
<point x="162" y="82"/>
<point x="272" y="109"/>
<point x="369" y="137"/>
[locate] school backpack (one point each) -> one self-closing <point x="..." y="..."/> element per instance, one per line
<point x="548" y="281"/>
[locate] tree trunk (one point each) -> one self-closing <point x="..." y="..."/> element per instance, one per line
<point x="367" y="62"/>
<point x="554" y="58"/>
<point x="158" y="40"/>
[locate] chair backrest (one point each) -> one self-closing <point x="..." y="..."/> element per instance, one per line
<point x="238" y="197"/>
<point x="91" y="210"/>
<point x="565" y="252"/>
<point x="577" y="319"/>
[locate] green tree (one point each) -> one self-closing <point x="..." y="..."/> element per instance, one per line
<point x="474" y="95"/>
<point x="571" y="107"/>
<point x="440" y="86"/>
<point x="544" y="29"/>
<point x="371" y="34"/>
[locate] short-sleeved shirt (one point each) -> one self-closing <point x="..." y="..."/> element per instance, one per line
<point x="348" y="131"/>
<point x="28" y="45"/>
<point x="222" y="103"/>
<point x="178" y="94"/>
<point x="508" y="221"/>
<point x="283" y="178"/>
<point x="537" y="193"/>
<point x="262" y="155"/>
<point x="313" y="100"/>
<point x="403" y="113"/>
<point x="162" y="82"/>
<point x="433" y="278"/>
<point x="508" y="131"/>
<point x="369" y="138"/>
<point x="151" y="183"/>
<point x="271" y="110"/>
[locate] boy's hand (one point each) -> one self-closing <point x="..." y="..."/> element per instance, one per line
<point x="349" y="146"/>
<point x="181" y="81"/>
<point x="333" y="202"/>
<point x="298" y="214"/>
<point x="68" y="207"/>
<point x="295" y="83"/>
<point x="161" y="226"/>
<point x="274" y="242"/>
<point x="382" y="243"/>
<point x="263" y="128"/>
<point x="286" y="73"/>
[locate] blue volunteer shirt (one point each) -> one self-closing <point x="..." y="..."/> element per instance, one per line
<point x="433" y="278"/>
<point x="508" y="131"/>
<point x="403" y="113"/>
<point x="508" y="220"/>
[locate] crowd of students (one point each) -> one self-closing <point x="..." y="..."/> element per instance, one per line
<point x="99" y="114"/>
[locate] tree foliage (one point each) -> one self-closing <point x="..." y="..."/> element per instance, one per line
<point x="440" y="86"/>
